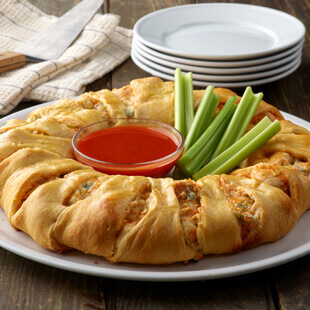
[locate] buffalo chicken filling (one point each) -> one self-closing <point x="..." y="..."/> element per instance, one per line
<point x="82" y="191"/>
<point x="138" y="207"/>
<point x="241" y="204"/>
<point x="189" y="201"/>
<point x="286" y="159"/>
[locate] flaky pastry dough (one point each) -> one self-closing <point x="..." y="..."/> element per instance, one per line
<point x="64" y="205"/>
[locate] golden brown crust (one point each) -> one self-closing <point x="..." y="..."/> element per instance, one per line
<point x="65" y="205"/>
<point x="292" y="141"/>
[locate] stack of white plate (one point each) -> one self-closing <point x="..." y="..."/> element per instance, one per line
<point x="223" y="44"/>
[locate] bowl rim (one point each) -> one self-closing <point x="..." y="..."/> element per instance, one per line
<point x="164" y="159"/>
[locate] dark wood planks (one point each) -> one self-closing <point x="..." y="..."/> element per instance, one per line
<point x="244" y="292"/>
<point x="57" y="8"/>
<point x="28" y="285"/>
<point x="292" y="284"/>
<point x="130" y="12"/>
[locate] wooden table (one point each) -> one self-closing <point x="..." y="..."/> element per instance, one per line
<point x="28" y="285"/>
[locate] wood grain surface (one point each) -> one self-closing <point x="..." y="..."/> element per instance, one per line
<point x="25" y="284"/>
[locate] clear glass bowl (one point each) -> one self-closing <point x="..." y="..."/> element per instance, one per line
<point x="155" y="168"/>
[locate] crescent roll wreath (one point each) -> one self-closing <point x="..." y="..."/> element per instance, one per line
<point x="64" y="205"/>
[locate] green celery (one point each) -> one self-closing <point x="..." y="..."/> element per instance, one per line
<point x="240" y="120"/>
<point x="203" y="116"/>
<point x="198" y="154"/>
<point x="179" y="103"/>
<point x="242" y="149"/>
<point x="188" y="100"/>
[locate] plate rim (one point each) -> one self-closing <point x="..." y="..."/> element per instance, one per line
<point x="158" y="276"/>
<point x="214" y="70"/>
<point x="220" y="57"/>
<point x="225" y="78"/>
<point x="154" y="276"/>
<point x="228" y="64"/>
<point x="222" y="84"/>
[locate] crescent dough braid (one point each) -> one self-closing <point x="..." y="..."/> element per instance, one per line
<point x="290" y="147"/>
<point x="139" y="219"/>
<point x="53" y="126"/>
<point x="65" y="205"/>
<point x="143" y="98"/>
<point x="295" y="185"/>
<point x="27" y="169"/>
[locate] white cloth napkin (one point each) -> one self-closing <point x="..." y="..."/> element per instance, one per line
<point x="100" y="47"/>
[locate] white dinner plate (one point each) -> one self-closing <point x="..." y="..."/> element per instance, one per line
<point x="200" y="83"/>
<point x="219" y="31"/>
<point x="223" y="63"/>
<point x="292" y="246"/>
<point x="221" y="77"/>
<point x="212" y="70"/>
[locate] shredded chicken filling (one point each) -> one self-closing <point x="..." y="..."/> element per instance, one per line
<point x="138" y="207"/>
<point x="270" y="175"/>
<point x="286" y="159"/>
<point x="83" y="191"/>
<point x="301" y="166"/>
<point x="279" y="158"/>
<point x="101" y="108"/>
<point x="189" y="201"/>
<point x="241" y="203"/>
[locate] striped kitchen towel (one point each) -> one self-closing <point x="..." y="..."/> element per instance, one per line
<point x="100" y="47"/>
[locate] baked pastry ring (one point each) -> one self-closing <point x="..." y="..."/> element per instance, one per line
<point x="64" y="205"/>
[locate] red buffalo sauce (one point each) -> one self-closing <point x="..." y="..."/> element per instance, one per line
<point x="130" y="149"/>
<point x="128" y="144"/>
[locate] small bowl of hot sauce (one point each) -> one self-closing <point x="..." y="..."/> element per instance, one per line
<point x="129" y="146"/>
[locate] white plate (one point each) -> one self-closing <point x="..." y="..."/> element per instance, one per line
<point x="221" y="77"/>
<point x="212" y="70"/>
<point x="294" y="245"/>
<point x="216" y="84"/>
<point x="220" y="64"/>
<point x="219" y="31"/>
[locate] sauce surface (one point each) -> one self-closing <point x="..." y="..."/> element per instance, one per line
<point x="128" y="144"/>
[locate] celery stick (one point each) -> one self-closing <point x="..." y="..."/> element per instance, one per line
<point x="202" y="149"/>
<point x="179" y="103"/>
<point x="240" y="120"/>
<point x="226" y="155"/>
<point x="203" y="116"/>
<point x="188" y="100"/>
<point x="242" y="149"/>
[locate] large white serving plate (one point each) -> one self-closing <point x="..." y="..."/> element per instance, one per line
<point x="213" y="78"/>
<point x="201" y="83"/>
<point x="220" y="63"/>
<point x="217" y="31"/>
<point x="294" y="245"/>
<point x="213" y="70"/>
